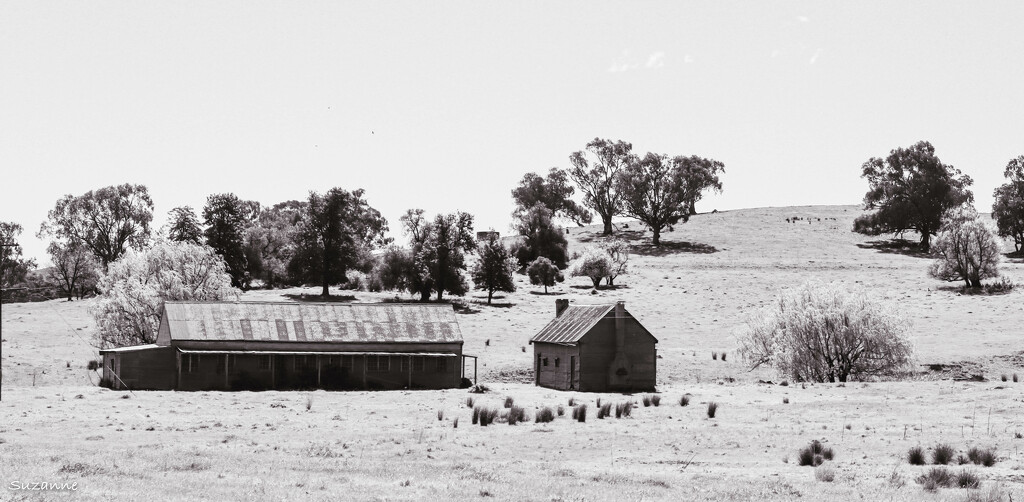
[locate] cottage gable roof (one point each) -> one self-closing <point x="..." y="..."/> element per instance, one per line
<point x="310" y="322"/>
<point x="574" y="322"/>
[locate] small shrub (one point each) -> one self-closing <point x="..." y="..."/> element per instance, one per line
<point x="967" y="479"/>
<point x="915" y="456"/>
<point x="942" y="454"/>
<point x="1003" y="377"/>
<point x="646" y="400"/>
<point x="94" y="365"/>
<point x="106" y="383"/>
<point x="488" y="342"/>
<point x="784" y="383"/>
<point x="509" y="402"/>
<point x="545" y="415"/>
<point x="962" y="460"/>
<point x="480" y="389"/>
<point x="825" y="473"/>
<point x="656" y="400"/>
<point x="805" y="457"/>
<point x="712" y="409"/>
<point x="1014" y="377"/>
<point x="561" y="410"/>
<point x="785" y="400"/>
<point x="936" y="477"/>
<point x="684" y="400"/>
<point x="723" y="359"/>
<point x="714" y="356"/>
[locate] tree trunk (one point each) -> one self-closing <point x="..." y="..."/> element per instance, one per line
<point x="607" y="224"/>
<point x="325" y="293"/>
<point x="545" y="289"/>
<point x="925" y="240"/>
<point x="597" y="282"/>
<point x="693" y="207"/>
<point x="656" y="240"/>
<point x="425" y="295"/>
<point x="489" y="295"/>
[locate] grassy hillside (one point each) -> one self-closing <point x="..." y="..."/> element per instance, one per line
<point x="693" y="294"/>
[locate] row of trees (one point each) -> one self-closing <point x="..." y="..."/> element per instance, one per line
<point x="656" y="189"/>
<point x="912" y="189"/>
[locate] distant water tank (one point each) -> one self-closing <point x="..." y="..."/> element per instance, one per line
<point x="486" y="235"/>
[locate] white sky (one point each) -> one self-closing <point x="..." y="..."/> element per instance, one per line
<point x="445" y="105"/>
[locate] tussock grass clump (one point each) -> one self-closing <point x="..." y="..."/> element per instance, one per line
<point x="684" y="400"/>
<point x="476" y="415"/>
<point x="967" y="479"/>
<point x="604" y="411"/>
<point x="915" y="456"/>
<point x="320" y="450"/>
<point x="572" y="402"/>
<point x="1003" y="377"/>
<point x="982" y="456"/>
<point x="815" y="454"/>
<point x="785" y="400"/>
<point x="309" y="402"/>
<point x="942" y="454"/>
<point x="1014" y="377"/>
<point x="81" y="469"/>
<point x="579" y="413"/>
<point x="561" y="410"/>
<point x="714" y="356"/>
<point x="488" y="416"/>
<point x="646" y="399"/>
<point x="469" y="402"/>
<point x="598" y="402"/>
<point x="825" y="473"/>
<point x="440" y="415"/>
<point x="723" y="356"/>
<point x="544" y="415"/>
<point x="623" y="409"/>
<point x="936" y="477"/>
<point x="455" y="423"/>
<point x="509" y="402"/>
<point x="516" y="414"/>
<point x="656" y="400"/>
<point x="712" y="409"/>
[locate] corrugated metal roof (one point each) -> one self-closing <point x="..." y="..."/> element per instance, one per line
<point x="315" y="353"/>
<point x="131" y="348"/>
<point x="574" y="322"/>
<point x="312" y="322"/>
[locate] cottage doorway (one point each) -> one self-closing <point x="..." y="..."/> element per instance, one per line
<point x="536" y="374"/>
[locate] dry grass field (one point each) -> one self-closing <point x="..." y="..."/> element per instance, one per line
<point x="693" y="294"/>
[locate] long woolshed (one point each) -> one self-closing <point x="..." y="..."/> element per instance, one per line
<point x="595" y="348"/>
<point x="277" y="345"/>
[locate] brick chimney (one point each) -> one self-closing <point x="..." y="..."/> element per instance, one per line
<point x="560" y="305"/>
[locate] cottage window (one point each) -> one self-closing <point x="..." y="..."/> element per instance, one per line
<point x="442" y="364"/>
<point x="545" y="361"/>
<point x="556" y="362"/>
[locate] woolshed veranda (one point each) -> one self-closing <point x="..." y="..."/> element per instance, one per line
<point x="256" y="346"/>
<point x="594" y="348"/>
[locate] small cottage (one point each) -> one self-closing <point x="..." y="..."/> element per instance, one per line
<point x="277" y="345"/>
<point x="594" y="348"/>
